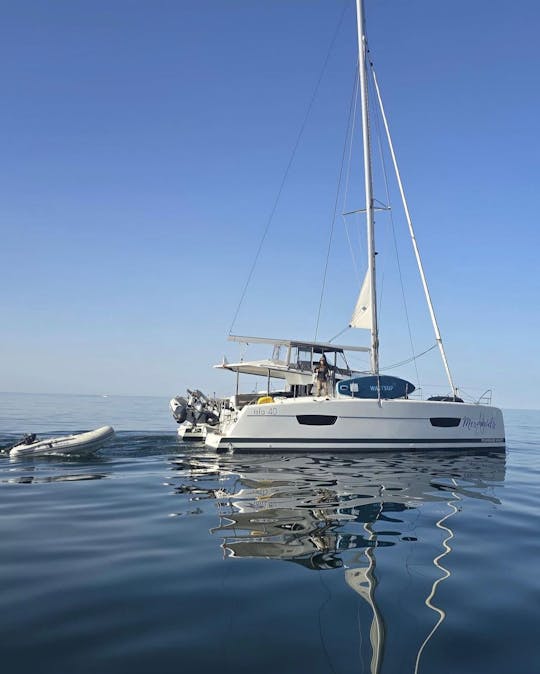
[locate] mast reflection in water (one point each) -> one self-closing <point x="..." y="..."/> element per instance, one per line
<point x="384" y="520"/>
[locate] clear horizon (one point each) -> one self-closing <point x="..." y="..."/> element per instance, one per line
<point x="138" y="395"/>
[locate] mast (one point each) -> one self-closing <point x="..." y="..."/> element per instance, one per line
<point x="362" y="67"/>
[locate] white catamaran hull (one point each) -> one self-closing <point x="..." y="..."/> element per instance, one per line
<point x="341" y="424"/>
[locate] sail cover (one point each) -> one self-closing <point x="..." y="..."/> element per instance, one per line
<point x="361" y="317"/>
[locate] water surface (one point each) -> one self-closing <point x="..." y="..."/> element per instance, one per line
<point x="152" y="556"/>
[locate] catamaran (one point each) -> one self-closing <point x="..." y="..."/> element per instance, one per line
<point x="360" y="410"/>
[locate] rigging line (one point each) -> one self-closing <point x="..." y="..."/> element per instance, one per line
<point x="288" y="167"/>
<point x="351" y="138"/>
<point x="413" y="238"/>
<point x="351" y="250"/>
<point x="348" y="175"/>
<point x="387" y="190"/>
<point x="339" y="334"/>
<point x="331" y="235"/>
<point x="404" y="362"/>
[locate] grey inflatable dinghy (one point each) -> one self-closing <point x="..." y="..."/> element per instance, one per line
<point x="81" y="443"/>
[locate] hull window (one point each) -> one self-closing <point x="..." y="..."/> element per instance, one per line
<point x="316" y="419"/>
<point x="445" y="422"/>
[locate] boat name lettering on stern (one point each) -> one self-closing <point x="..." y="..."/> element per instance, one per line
<point x="480" y="424"/>
<point x="263" y="412"/>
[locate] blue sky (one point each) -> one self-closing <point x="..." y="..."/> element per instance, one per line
<point x="142" y="149"/>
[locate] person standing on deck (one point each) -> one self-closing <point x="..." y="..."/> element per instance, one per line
<point x="322" y="374"/>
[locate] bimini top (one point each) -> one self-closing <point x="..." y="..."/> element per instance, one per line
<point x="318" y="347"/>
<point x="295" y="366"/>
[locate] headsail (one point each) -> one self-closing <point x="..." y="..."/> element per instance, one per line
<point x="362" y="314"/>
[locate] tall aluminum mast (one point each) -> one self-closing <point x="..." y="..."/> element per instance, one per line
<point x="362" y="48"/>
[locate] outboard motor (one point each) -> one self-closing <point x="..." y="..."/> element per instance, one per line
<point x="179" y="408"/>
<point x="27" y="439"/>
<point x="197" y="409"/>
<point x="210" y="418"/>
<point x="201" y="409"/>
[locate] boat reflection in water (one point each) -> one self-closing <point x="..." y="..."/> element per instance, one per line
<point x="345" y="513"/>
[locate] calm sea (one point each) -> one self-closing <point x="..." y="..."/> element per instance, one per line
<point x="153" y="557"/>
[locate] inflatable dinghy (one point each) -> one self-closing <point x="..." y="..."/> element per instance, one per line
<point x="82" y="443"/>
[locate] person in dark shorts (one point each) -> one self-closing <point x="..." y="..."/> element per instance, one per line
<point x="322" y="374"/>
